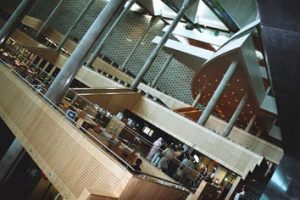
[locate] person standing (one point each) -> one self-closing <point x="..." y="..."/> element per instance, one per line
<point x="168" y="154"/>
<point x="156" y="146"/>
<point x="137" y="165"/>
<point x="240" y="195"/>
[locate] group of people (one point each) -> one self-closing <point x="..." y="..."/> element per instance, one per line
<point x="176" y="161"/>
<point x="172" y="159"/>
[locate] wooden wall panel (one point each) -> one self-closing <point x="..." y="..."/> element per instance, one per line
<point x="139" y="189"/>
<point x="69" y="159"/>
<point x="259" y="146"/>
<point x="230" y="155"/>
<point x="115" y="102"/>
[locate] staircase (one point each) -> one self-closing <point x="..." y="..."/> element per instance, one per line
<point x="191" y="113"/>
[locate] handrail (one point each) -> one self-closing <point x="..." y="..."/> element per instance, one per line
<point x="148" y="143"/>
<point x="76" y="125"/>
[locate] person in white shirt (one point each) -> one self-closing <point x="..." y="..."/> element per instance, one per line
<point x="240" y="195"/>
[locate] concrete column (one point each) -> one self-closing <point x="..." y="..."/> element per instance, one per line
<point x="235" y="115"/>
<point x="251" y="122"/>
<point x="46" y="22"/>
<point x="162" y="70"/>
<point x="15" y="19"/>
<point x="153" y="21"/>
<point x="33" y="57"/>
<point x="52" y="71"/>
<point x="61" y="83"/>
<point x="36" y="58"/>
<point x="233" y="187"/>
<point x="45" y="66"/>
<point x="9" y="159"/>
<point x="66" y="36"/>
<point x="217" y="94"/>
<point x="268" y="170"/>
<point x="194" y="104"/>
<point x="186" y="4"/>
<point x="109" y="33"/>
<point x="40" y="62"/>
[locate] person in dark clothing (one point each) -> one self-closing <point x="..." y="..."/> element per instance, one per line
<point x="137" y="165"/>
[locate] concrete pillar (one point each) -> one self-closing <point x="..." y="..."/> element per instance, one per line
<point x="39" y="63"/>
<point x="186" y="4"/>
<point x="46" y="22"/>
<point x="194" y="104"/>
<point x="66" y="36"/>
<point x="268" y="170"/>
<point x="235" y="115"/>
<point x="109" y="33"/>
<point x="74" y="63"/>
<point x="15" y="19"/>
<point x="52" y="71"/>
<point x="9" y="159"/>
<point x="32" y="58"/>
<point x="153" y="21"/>
<point x="233" y="187"/>
<point x="217" y="94"/>
<point x="162" y="70"/>
<point x="46" y="65"/>
<point x="251" y="122"/>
